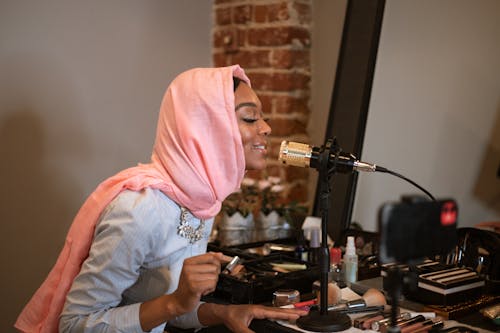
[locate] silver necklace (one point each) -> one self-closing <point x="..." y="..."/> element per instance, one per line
<point x="187" y="231"/>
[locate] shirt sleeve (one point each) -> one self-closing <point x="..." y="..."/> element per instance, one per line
<point x="120" y="245"/>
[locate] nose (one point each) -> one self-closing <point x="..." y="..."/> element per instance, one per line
<point x="264" y="128"/>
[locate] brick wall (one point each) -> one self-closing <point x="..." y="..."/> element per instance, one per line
<point x="271" y="40"/>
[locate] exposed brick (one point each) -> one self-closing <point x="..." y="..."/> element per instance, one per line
<point x="252" y="59"/>
<point x="219" y="36"/>
<point x="260" y="14"/>
<point x="288" y="104"/>
<point x="294" y="173"/>
<point x="221" y="60"/>
<point x="303" y="11"/>
<point x="278" y="58"/>
<point x="267" y="103"/>
<point x="280" y="81"/>
<point x="279" y="12"/>
<point x="274" y="12"/>
<point x="286" y="127"/>
<point x="290" y="58"/>
<point x="241" y="35"/>
<point x="298" y="192"/>
<point x="223" y="16"/>
<point x="276" y="36"/>
<point x="242" y="14"/>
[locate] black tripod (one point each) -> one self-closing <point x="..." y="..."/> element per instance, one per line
<point x="323" y="320"/>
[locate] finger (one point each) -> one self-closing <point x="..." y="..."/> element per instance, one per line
<point x="222" y="257"/>
<point x="209" y="257"/>
<point x="202" y="278"/>
<point x="208" y="291"/>
<point x="283" y="314"/>
<point x="201" y="268"/>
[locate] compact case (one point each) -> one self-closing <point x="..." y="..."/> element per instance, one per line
<point x="449" y="286"/>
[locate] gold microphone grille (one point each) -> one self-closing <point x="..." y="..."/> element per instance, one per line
<point x="294" y="153"/>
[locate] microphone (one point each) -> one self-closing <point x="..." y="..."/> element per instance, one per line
<point x="306" y="156"/>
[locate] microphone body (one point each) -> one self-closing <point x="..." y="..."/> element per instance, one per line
<point x="306" y="156"/>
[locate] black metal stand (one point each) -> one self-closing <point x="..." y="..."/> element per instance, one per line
<point x="395" y="280"/>
<point x="324" y="320"/>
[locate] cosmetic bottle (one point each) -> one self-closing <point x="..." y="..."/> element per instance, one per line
<point x="301" y="248"/>
<point x="335" y="273"/>
<point x="314" y="246"/>
<point x="350" y="261"/>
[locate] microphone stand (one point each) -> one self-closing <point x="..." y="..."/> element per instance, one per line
<point x="324" y="320"/>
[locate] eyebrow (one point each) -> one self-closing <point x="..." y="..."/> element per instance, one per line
<point x="245" y="104"/>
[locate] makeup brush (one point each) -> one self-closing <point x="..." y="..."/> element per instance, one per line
<point x="334" y="294"/>
<point x="371" y="298"/>
<point x="374" y="297"/>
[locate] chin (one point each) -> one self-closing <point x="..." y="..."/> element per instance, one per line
<point x="256" y="165"/>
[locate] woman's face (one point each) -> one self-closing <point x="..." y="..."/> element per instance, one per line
<point x="253" y="127"/>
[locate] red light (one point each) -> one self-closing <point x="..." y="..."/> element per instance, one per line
<point x="448" y="213"/>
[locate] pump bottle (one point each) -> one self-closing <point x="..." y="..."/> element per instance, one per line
<point x="350" y="261"/>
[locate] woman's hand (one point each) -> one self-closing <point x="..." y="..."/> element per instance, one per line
<point x="198" y="277"/>
<point x="238" y="317"/>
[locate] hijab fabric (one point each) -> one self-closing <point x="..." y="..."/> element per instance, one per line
<point x="197" y="161"/>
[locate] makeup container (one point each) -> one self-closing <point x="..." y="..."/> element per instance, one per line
<point x="449" y="286"/>
<point x="429" y="327"/>
<point x="231" y="265"/>
<point x="365" y="322"/>
<point x="412" y="327"/>
<point x="376" y="325"/>
<point x="402" y="323"/>
<point x="283" y="297"/>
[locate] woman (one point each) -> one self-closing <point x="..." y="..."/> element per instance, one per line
<point x="134" y="258"/>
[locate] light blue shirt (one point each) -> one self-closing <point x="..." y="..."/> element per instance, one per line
<point x="136" y="255"/>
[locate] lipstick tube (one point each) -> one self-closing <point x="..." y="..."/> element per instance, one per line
<point x="366" y="321"/>
<point x="386" y="321"/>
<point x="413" y="327"/>
<point x="430" y="327"/>
<point x="402" y="323"/>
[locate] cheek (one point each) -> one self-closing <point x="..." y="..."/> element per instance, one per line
<point x="245" y="134"/>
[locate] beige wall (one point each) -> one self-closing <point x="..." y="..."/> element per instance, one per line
<point x="434" y="104"/>
<point x="80" y="87"/>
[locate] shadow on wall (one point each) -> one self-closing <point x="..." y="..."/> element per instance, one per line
<point x="38" y="200"/>
<point x="33" y="209"/>
<point x="487" y="188"/>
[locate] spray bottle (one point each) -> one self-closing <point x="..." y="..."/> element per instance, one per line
<point x="350" y="261"/>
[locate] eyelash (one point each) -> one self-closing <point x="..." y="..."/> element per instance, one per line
<point x="252" y="120"/>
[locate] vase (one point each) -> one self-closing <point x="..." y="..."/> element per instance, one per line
<point x="235" y="229"/>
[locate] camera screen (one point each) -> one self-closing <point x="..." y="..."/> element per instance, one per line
<point x="410" y="231"/>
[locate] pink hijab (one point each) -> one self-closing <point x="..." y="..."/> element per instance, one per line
<point x="197" y="161"/>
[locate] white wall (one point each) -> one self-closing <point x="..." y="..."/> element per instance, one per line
<point x="434" y="106"/>
<point x="80" y="87"/>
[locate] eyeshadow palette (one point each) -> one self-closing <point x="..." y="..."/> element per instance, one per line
<point x="449" y="286"/>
